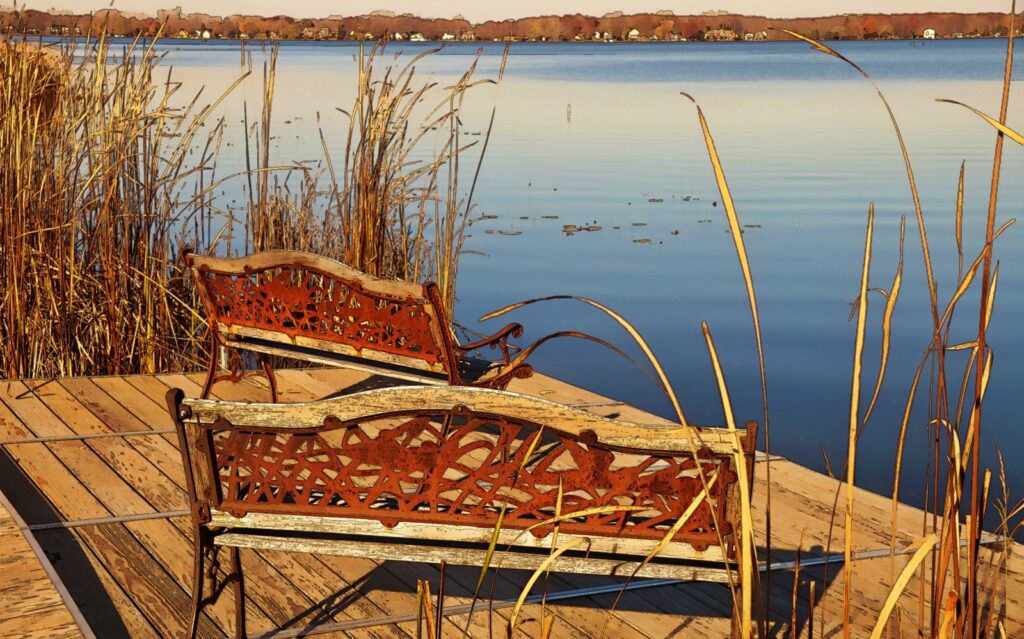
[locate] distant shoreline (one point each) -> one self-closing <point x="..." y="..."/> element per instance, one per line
<point x="612" y="27"/>
<point x="165" y="38"/>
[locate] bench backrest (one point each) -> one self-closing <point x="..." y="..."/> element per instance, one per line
<point x="315" y="302"/>
<point x="444" y="463"/>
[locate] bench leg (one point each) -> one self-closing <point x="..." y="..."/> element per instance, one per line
<point x="236" y="567"/>
<point x="211" y="375"/>
<point x="197" y="582"/>
<point x="269" y="371"/>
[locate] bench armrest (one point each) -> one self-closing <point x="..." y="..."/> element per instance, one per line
<point x="499" y="340"/>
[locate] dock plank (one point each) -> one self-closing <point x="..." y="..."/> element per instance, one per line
<point x="30" y="605"/>
<point x="145" y="566"/>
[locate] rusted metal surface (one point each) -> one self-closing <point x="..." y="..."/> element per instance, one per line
<point x="462" y="468"/>
<point x="302" y="301"/>
<point x="310" y="300"/>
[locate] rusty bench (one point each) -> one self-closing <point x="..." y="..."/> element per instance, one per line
<point x="425" y="473"/>
<point x="307" y="307"/>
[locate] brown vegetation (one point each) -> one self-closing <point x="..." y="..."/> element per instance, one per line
<point x="648" y="26"/>
<point x="103" y="178"/>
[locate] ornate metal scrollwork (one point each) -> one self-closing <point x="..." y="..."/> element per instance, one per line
<point x="299" y="301"/>
<point x="465" y="468"/>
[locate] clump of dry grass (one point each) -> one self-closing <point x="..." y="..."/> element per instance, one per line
<point x="383" y="211"/>
<point x="104" y="173"/>
<point x="93" y="187"/>
<point x="951" y="595"/>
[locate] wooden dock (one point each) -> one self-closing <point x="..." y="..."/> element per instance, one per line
<point x="92" y="469"/>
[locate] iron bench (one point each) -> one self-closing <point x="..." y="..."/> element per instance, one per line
<point x="423" y="473"/>
<point x="311" y="308"/>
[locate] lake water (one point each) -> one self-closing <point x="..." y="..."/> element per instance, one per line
<point x="598" y="134"/>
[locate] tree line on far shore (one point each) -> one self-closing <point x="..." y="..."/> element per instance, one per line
<point x="659" y="26"/>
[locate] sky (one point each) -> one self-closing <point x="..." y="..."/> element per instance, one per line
<point x="480" y="10"/>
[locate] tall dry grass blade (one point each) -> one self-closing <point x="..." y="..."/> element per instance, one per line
<point x="974" y="530"/>
<point x="583" y="512"/>
<point x="748" y="550"/>
<point x="890" y="307"/>
<point x="932" y="292"/>
<point x="496" y="531"/>
<point x="854" y="422"/>
<point x="428" y="609"/>
<point x="999" y="126"/>
<point x="924" y="547"/>
<point x="419" y="608"/>
<point x="949" y="616"/>
<point x="554" y="541"/>
<point x="965" y="283"/>
<point x="641" y="342"/>
<point x="668" y="537"/>
<point x="543" y="568"/>
<point x="959" y="223"/>
<point x="549" y="624"/>
<point x="528" y="350"/>
<point x="748" y="279"/>
<point x="972" y="424"/>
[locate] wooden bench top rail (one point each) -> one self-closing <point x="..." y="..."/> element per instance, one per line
<point x="264" y="260"/>
<point x="385" y="401"/>
<point x="312" y="308"/>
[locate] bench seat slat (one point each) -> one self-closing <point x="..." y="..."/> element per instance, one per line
<point x="302" y="347"/>
<point x="471" y="369"/>
<point x="472" y="557"/>
<point x="443" y="533"/>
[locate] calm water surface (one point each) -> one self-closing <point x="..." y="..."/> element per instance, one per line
<point x="598" y="134"/>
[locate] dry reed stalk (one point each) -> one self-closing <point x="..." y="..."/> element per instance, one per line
<point x="380" y="202"/>
<point x="748" y="279"/>
<point x="962" y="457"/>
<point x="854" y="422"/>
<point x="93" y="198"/>
<point x="425" y="610"/>
<point x="810" y="608"/>
<point x="746" y="545"/>
<point x="976" y="507"/>
<point x="796" y="591"/>
<point x="923" y="548"/>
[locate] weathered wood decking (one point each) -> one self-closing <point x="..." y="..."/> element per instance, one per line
<point x="30" y="605"/>
<point x="129" y="578"/>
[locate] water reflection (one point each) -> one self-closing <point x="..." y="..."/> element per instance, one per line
<point x="598" y="135"/>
